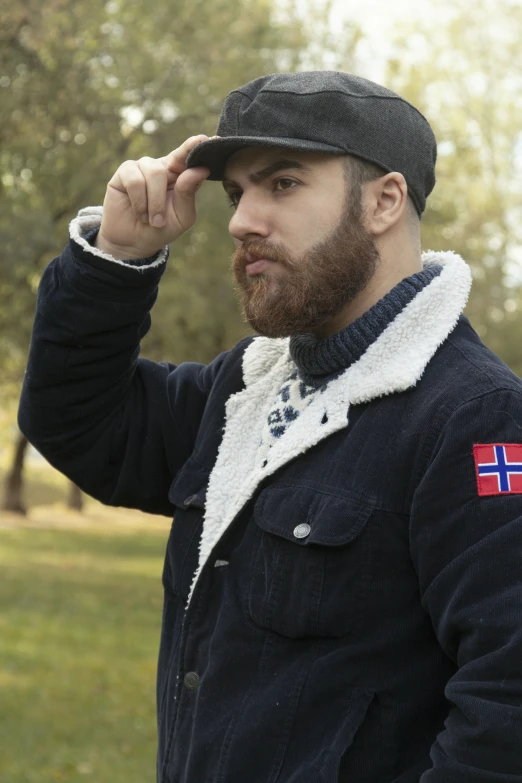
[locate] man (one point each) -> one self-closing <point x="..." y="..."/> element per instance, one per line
<point x="342" y="579"/>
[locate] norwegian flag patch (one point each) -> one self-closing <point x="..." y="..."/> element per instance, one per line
<point x="499" y="468"/>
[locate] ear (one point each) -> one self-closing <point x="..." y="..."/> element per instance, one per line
<point x="385" y="201"/>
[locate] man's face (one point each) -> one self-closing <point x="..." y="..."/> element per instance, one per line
<point x="302" y="252"/>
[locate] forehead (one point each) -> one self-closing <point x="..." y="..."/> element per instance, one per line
<point x="250" y="159"/>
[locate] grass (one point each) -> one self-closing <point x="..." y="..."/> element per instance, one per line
<point x="80" y="609"/>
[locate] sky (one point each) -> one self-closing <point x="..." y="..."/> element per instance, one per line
<point x="377" y="18"/>
<point x="381" y="13"/>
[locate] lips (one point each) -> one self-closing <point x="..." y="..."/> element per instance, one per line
<point x="258" y="266"/>
<point x="255" y="265"/>
<point x="251" y="258"/>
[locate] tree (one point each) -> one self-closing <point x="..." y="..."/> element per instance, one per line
<point x="84" y="86"/>
<point x="13" y="499"/>
<point x="465" y="74"/>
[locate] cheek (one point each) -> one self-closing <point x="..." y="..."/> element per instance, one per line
<point x="307" y="226"/>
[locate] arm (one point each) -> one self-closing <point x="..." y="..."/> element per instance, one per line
<point x="120" y="427"/>
<point x="468" y="553"/>
<point x="117" y="425"/>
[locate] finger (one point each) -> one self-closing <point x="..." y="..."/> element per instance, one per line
<point x="187" y="185"/>
<point x="155" y="175"/>
<point x="175" y="161"/>
<point x="130" y="180"/>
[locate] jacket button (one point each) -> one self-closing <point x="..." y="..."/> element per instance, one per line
<point x="301" y="531"/>
<point x="190" y="500"/>
<point x="191" y="681"/>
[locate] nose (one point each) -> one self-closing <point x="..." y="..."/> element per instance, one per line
<point x="250" y="220"/>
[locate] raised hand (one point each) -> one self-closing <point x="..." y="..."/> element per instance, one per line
<point x="149" y="203"/>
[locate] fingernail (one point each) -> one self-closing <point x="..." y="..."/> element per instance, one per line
<point x="144" y="218"/>
<point x="158" y="221"/>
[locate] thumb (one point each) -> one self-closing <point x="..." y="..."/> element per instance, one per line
<point x="185" y="189"/>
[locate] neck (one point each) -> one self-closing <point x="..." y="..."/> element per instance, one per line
<point x="395" y="263"/>
<point x="319" y="360"/>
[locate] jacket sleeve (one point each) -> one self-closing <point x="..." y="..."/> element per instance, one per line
<point x="120" y="427"/>
<point x="467" y="550"/>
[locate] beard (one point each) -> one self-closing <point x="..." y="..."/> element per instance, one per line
<point x="310" y="289"/>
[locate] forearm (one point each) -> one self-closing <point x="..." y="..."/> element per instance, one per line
<point x="84" y="384"/>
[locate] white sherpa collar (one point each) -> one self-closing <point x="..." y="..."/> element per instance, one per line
<point x="90" y="218"/>
<point x="398" y="358"/>
<point x="393" y="363"/>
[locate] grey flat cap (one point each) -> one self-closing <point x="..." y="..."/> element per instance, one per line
<point x="326" y="111"/>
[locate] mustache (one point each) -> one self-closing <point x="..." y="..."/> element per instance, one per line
<point x="260" y="249"/>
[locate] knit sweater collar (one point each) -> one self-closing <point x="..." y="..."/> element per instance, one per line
<point x="319" y="361"/>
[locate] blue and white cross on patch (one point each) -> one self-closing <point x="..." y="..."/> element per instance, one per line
<point x="498" y="468"/>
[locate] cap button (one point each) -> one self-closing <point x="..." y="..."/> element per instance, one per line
<point x="301" y="531"/>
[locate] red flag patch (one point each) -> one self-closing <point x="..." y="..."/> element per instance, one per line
<point x="499" y="468"/>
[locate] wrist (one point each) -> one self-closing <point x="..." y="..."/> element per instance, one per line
<point x="118" y="252"/>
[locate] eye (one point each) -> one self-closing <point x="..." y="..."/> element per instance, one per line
<point x="233" y="197"/>
<point x="283" y="183"/>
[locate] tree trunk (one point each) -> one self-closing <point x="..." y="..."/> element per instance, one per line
<point x="14" y="483"/>
<point x="75" y="499"/>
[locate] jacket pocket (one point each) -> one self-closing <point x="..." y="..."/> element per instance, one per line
<point x="188" y="495"/>
<point x="358" y="703"/>
<point x="311" y="562"/>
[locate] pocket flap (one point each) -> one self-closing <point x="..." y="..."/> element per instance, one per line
<point x="189" y="488"/>
<point x="309" y="516"/>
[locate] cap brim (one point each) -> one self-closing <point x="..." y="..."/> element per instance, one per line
<point x="214" y="153"/>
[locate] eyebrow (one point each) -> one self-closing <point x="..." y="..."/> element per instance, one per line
<point x="278" y="165"/>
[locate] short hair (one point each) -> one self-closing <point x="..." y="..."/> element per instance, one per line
<point x="358" y="172"/>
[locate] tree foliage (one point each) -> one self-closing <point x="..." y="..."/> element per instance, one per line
<point x="465" y="74"/>
<point x="84" y="86"/>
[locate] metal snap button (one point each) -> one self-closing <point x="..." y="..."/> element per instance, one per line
<point x="190" y="500"/>
<point x="301" y="531"/>
<point x="191" y="681"/>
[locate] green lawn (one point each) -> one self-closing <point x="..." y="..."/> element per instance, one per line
<point x="80" y="614"/>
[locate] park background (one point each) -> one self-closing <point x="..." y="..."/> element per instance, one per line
<point x="84" y="86"/>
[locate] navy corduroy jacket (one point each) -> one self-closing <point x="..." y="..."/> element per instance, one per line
<point x="350" y="609"/>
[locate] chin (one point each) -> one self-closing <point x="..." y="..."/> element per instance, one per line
<point x="266" y="328"/>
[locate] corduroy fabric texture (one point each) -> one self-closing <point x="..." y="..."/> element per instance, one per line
<point x="351" y="612"/>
